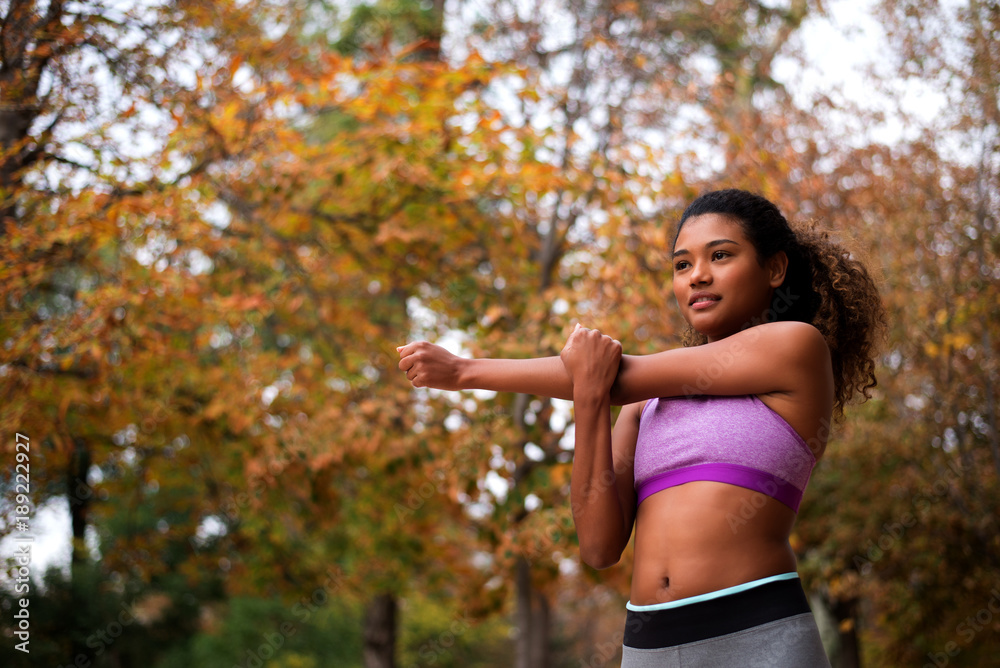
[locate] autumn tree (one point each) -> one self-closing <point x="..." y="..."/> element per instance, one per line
<point x="104" y="331"/>
<point x="178" y="315"/>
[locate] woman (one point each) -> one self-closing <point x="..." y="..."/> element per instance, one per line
<point x="716" y="441"/>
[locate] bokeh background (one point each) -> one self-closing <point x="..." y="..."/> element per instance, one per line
<point x="219" y="219"/>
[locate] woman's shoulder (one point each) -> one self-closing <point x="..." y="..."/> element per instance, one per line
<point x="792" y="337"/>
<point x="799" y="361"/>
<point x="806" y="359"/>
<point x="792" y="329"/>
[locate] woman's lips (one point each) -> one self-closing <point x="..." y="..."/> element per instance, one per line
<point x="703" y="300"/>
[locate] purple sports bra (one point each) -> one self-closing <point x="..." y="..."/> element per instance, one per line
<point x="732" y="439"/>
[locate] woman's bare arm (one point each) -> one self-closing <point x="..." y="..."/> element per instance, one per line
<point x="773" y="357"/>
<point x="768" y="358"/>
<point x="428" y="365"/>
<point x="601" y="475"/>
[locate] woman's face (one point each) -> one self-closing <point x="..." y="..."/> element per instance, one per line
<point x="720" y="286"/>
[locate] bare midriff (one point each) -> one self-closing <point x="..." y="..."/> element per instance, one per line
<point x="704" y="536"/>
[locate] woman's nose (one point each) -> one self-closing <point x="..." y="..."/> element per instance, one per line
<point x="700" y="274"/>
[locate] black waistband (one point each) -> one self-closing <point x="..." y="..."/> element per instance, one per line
<point x="715" y="617"/>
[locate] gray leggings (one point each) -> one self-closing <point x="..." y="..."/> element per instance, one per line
<point x="764" y="626"/>
<point x="792" y="642"/>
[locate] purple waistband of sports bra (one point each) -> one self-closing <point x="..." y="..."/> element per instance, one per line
<point x="733" y="474"/>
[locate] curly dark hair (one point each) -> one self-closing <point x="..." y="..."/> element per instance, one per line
<point x="825" y="285"/>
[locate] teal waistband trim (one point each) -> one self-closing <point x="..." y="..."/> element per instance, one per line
<point x="712" y="594"/>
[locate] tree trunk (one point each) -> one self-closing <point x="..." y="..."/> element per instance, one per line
<point x="25" y="52"/>
<point x="79" y="503"/>
<point x="538" y="642"/>
<point x="532" y="621"/>
<point x="380" y="632"/>
<point x="845" y="612"/>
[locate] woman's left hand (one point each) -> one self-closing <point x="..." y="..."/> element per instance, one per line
<point x="591" y="359"/>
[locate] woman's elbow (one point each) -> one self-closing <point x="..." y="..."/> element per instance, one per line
<point x="599" y="556"/>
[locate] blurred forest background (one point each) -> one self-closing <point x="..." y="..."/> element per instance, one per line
<point x="219" y="219"/>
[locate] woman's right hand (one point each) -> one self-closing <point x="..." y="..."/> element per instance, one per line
<point x="429" y="365"/>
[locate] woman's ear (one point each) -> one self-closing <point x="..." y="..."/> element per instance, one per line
<point x="776" y="266"/>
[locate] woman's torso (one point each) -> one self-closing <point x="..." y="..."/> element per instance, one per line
<point x="703" y="536"/>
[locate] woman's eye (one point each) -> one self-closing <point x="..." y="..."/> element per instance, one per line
<point x="718" y="255"/>
<point x="680" y="265"/>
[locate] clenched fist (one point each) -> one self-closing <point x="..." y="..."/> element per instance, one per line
<point x="428" y="365"/>
<point x="591" y="359"/>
